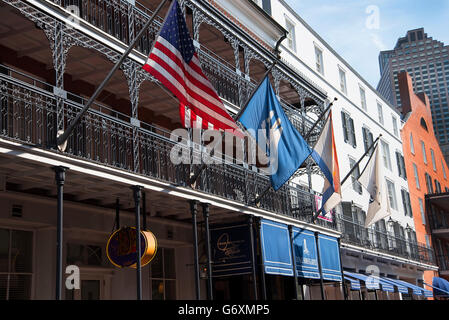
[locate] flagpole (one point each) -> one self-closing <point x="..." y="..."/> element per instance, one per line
<point x="319" y="119"/>
<point x="63" y="137"/>
<point x="352" y="170"/>
<point x="255" y="90"/>
<point x="360" y="160"/>
<point x="203" y="167"/>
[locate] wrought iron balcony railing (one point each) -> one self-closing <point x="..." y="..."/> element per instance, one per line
<point x="123" y="21"/>
<point x="443" y="262"/>
<point x="378" y="240"/>
<point x="105" y="136"/>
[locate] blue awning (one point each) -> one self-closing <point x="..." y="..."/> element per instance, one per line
<point x="370" y="282"/>
<point x="304" y="248"/>
<point x="355" y="284"/>
<point x="276" y="248"/>
<point x="329" y="257"/>
<point x="392" y="282"/>
<point x="416" y="289"/>
<point x="441" y="287"/>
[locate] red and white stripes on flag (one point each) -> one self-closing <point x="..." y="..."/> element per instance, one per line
<point x="174" y="62"/>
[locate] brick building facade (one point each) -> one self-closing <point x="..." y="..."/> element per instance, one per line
<point x="424" y="161"/>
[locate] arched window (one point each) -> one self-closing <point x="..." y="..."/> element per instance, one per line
<point x="424" y="124"/>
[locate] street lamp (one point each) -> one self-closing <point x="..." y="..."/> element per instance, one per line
<point x="408" y="228"/>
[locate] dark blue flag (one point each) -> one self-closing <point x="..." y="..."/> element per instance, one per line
<point x="266" y="121"/>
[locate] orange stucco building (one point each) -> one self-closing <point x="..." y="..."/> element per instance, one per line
<point x="425" y="165"/>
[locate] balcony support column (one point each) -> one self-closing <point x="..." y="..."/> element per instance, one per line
<point x="134" y="82"/>
<point x="323" y="297"/>
<point x="236" y="46"/>
<point x="60" y="180"/>
<point x="194" y="211"/>
<point x="210" y="286"/>
<point x="137" y="193"/>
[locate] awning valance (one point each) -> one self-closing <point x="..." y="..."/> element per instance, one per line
<point x="370" y="282"/>
<point x="330" y="258"/>
<point x="355" y="284"/>
<point x="304" y="246"/>
<point x="276" y="248"/>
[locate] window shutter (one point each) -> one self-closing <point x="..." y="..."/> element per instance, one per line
<point x="347" y="209"/>
<point x="409" y="203"/>
<point x="354" y="141"/>
<point x="345" y="126"/>
<point x="404" y="202"/>
<point x="365" y="138"/>
<point x="398" y="160"/>
<point x="403" y="167"/>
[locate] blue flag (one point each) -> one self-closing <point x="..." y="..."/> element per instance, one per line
<point x="266" y="121"/>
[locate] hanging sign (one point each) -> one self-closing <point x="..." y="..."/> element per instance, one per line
<point x="329" y="216"/>
<point x="121" y="248"/>
<point x="231" y="250"/>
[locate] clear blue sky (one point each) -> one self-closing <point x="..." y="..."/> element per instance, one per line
<point x="358" y="36"/>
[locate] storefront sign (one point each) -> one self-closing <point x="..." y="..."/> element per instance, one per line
<point x="231" y="250"/>
<point x="329" y="216"/>
<point x="121" y="248"/>
<point x="304" y="247"/>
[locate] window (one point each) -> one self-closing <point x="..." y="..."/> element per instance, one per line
<point x="415" y="169"/>
<point x="395" y="125"/>
<point x="367" y="139"/>
<point x="319" y="60"/>
<point x="421" y="209"/>
<point x="16" y="256"/>
<point x="412" y="146"/>
<point x="437" y="186"/>
<point x="406" y="203"/>
<point x="432" y="154"/>
<point x="380" y="113"/>
<point x="163" y="275"/>
<point x="354" y="176"/>
<point x="401" y="166"/>
<point x="429" y="184"/>
<point x="423" y="148"/>
<point x="386" y="155"/>
<point x="342" y="75"/>
<point x="444" y="169"/>
<point x="427" y="241"/>
<point x="84" y="255"/>
<point x="348" y="129"/>
<point x="362" y="98"/>
<point x="392" y="195"/>
<point x="291" y="36"/>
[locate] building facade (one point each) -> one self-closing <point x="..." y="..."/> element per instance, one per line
<point x="55" y="53"/>
<point x="425" y="165"/>
<point x="53" y="56"/>
<point x="427" y="62"/>
<point x="361" y="115"/>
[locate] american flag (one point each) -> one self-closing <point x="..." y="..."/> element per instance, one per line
<point x="174" y="62"/>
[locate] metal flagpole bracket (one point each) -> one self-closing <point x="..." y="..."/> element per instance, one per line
<point x="322" y="115"/>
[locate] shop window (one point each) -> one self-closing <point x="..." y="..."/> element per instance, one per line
<point x="163" y="275"/>
<point x="16" y="256"/>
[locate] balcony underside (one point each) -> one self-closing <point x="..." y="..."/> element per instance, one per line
<point x="26" y="47"/>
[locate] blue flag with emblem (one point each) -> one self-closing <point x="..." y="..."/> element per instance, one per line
<point x="267" y="123"/>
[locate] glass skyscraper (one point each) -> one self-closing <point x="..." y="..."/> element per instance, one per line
<point x="427" y="62"/>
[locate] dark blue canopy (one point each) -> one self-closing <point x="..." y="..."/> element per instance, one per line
<point x="441" y="287"/>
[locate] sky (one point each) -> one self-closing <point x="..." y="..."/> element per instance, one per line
<point x="359" y="29"/>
